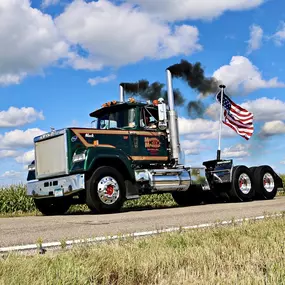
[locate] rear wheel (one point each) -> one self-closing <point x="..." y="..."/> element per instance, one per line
<point x="241" y="189"/>
<point x="105" y="190"/>
<point x="53" y="206"/>
<point x="264" y="182"/>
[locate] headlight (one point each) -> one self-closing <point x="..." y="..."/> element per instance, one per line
<point x="78" y="157"/>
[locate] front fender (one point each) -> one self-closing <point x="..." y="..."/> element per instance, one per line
<point x="94" y="154"/>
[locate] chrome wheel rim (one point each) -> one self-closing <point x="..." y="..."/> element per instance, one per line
<point x="268" y="182"/>
<point x="108" y="190"/>
<point x="244" y="183"/>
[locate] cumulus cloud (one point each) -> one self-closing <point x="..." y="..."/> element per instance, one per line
<point x="192" y="9"/>
<point x="279" y="36"/>
<point x="47" y="3"/>
<point x="11" y="174"/>
<point x="255" y="41"/>
<point x="241" y="77"/>
<point x="114" y="35"/>
<point x="191" y="147"/>
<point x="19" y="138"/>
<point x="202" y="129"/>
<point x="26" y="158"/>
<point x="263" y="109"/>
<point x="29" y="41"/>
<point x="272" y="128"/>
<point x="239" y="150"/>
<point x="15" y="117"/>
<point x="97" y="80"/>
<point x="8" y="153"/>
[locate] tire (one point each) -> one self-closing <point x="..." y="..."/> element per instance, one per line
<point x="265" y="182"/>
<point x="101" y="179"/>
<point x="241" y="189"/>
<point x="53" y="206"/>
<point x="191" y="197"/>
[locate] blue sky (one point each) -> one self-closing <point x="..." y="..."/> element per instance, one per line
<point x="51" y="49"/>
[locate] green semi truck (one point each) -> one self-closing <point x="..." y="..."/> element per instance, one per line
<point x="133" y="150"/>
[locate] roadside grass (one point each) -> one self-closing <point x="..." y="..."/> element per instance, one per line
<point x="14" y="202"/>
<point x="251" y="253"/>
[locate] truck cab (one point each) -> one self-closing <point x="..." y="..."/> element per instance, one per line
<point x="129" y="140"/>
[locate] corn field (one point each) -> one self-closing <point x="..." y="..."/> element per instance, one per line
<point x="13" y="201"/>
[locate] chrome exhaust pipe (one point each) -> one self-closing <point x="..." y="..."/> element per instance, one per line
<point x="122" y="93"/>
<point x="173" y="121"/>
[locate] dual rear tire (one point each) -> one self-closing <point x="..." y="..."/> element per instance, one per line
<point x="250" y="183"/>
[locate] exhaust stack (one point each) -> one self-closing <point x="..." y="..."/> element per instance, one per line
<point x="173" y="122"/>
<point x="122" y="93"/>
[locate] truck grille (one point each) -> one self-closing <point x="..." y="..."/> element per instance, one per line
<point x="51" y="157"/>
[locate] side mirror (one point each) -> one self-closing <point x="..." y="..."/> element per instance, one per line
<point x="162" y="115"/>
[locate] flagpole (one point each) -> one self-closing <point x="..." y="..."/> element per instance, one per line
<point x="221" y="116"/>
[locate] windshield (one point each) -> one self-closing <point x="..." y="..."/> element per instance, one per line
<point x="118" y="120"/>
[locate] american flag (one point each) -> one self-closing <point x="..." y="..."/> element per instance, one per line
<point x="236" y="117"/>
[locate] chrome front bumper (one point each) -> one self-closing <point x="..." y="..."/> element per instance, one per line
<point x="56" y="187"/>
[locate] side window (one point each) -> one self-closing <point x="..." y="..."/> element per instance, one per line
<point x="147" y="120"/>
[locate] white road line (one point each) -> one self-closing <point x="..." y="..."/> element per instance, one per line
<point x="54" y="245"/>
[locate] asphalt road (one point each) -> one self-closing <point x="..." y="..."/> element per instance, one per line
<point x="27" y="230"/>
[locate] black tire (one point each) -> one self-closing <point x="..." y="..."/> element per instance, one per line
<point x="236" y="193"/>
<point x="53" y="206"/>
<point x="93" y="200"/>
<point x="191" y="197"/>
<point x="265" y="191"/>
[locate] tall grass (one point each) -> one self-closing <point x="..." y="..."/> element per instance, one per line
<point x="13" y="201"/>
<point x="253" y="253"/>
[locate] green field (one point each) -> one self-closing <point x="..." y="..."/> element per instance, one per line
<point x="252" y="253"/>
<point x="13" y="202"/>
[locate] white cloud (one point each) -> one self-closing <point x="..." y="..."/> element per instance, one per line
<point x="11" y="174"/>
<point x="15" y="117"/>
<point x="26" y="158"/>
<point x="190" y="147"/>
<point x="255" y="41"/>
<point x="19" y="138"/>
<point x="47" y="3"/>
<point x="273" y="128"/>
<point x="241" y="76"/>
<point x="238" y="150"/>
<point x="192" y="9"/>
<point x="279" y="36"/>
<point x="8" y="153"/>
<point x="203" y="129"/>
<point x="263" y="109"/>
<point x="97" y="80"/>
<point x="29" y="41"/>
<point x="112" y="35"/>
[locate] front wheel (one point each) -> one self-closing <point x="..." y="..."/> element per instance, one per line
<point x="241" y="189"/>
<point x="53" y="206"/>
<point x="105" y="190"/>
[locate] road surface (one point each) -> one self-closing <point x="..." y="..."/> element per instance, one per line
<point x="27" y="230"/>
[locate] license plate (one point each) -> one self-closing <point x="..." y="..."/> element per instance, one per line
<point x="58" y="192"/>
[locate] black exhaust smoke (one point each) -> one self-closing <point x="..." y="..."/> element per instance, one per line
<point x="151" y="92"/>
<point x="193" y="74"/>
